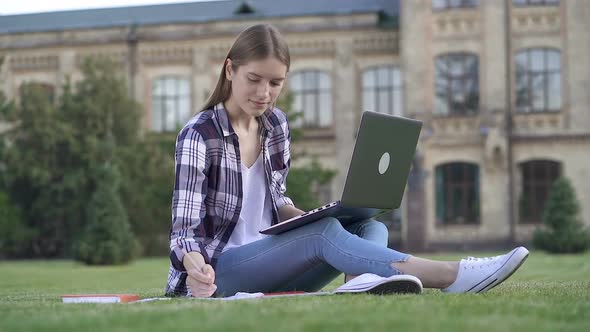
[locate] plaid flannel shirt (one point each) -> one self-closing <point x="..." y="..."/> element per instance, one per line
<point x="207" y="197"/>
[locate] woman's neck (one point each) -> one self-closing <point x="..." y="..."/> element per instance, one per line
<point x="239" y="119"/>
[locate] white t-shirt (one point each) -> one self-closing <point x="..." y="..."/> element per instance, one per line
<point x="256" y="211"/>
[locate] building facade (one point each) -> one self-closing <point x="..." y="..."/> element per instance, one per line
<point x="502" y="88"/>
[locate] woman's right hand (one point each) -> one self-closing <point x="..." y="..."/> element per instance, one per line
<point x="201" y="277"/>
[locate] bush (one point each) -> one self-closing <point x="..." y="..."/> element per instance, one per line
<point x="15" y="236"/>
<point x="564" y="232"/>
<point x="148" y="170"/>
<point x="48" y="158"/>
<point x="107" y="238"/>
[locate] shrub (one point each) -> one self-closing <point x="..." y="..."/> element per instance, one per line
<point x="15" y="236"/>
<point x="107" y="238"/>
<point x="563" y="231"/>
<point x="148" y="172"/>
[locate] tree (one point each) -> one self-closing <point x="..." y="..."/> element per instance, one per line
<point x="107" y="239"/>
<point x="33" y="145"/>
<point x="564" y="232"/>
<point x="51" y="152"/>
<point x="148" y="170"/>
<point x="146" y="165"/>
<point x="101" y="106"/>
<point x="15" y="236"/>
<point x="7" y="114"/>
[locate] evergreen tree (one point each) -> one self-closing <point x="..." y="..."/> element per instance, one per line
<point x="7" y="115"/>
<point x="15" y="236"/>
<point x="108" y="238"/>
<point x="98" y="108"/>
<point x="564" y="232"/>
<point x="34" y="170"/>
<point x="148" y="171"/>
<point x="50" y="154"/>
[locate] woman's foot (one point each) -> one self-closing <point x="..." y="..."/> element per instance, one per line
<point x="478" y="275"/>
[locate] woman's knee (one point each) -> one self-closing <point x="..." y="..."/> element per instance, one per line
<point x="327" y="225"/>
<point x="376" y="226"/>
<point x="375" y="231"/>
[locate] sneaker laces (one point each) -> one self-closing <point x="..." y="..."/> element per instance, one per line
<point x="479" y="259"/>
<point x="480" y="262"/>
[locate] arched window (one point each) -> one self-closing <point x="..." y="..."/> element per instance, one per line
<point x="538" y="80"/>
<point x="171" y="103"/>
<point x="382" y="90"/>
<point x="537" y="178"/>
<point x="457" y="193"/>
<point x="312" y="96"/>
<point x="457" y="84"/>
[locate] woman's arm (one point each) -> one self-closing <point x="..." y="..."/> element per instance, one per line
<point x="286" y="208"/>
<point x="190" y="189"/>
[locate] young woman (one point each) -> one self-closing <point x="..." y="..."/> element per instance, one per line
<point x="232" y="161"/>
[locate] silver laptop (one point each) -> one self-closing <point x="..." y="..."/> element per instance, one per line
<point x="377" y="175"/>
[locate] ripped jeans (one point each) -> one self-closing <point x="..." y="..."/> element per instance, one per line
<point x="307" y="258"/>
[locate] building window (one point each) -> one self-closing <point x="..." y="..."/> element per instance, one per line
<point x="312" y="96"/>
<point x="535" y="2"/>
<point x="538" y="80"/>
<point x="457" y="193"/>
<point x="382" y="90"/>
<point x="537" y="178"/>
<point x="450" y="4"/>
<point x="457" y="84"/>
<point x="170" y="103"/>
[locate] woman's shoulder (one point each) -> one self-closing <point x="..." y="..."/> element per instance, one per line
<point x="201" y="124"/>
<point x="277" y="117"/>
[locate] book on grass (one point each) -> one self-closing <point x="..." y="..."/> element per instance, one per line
<point x="99" y="298"/>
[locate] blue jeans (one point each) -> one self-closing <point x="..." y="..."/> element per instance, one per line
<point x="307" y="258"/>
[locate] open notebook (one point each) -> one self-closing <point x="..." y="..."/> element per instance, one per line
<point x="374" y="284"/>
<point x="365" y="283"/>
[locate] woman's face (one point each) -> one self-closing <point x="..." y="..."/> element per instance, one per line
<point x="256" y="85"/>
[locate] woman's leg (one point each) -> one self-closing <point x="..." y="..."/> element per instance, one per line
<point x="323" y="273"/>
<point x="270" y="264"/>
<point x="433" y="274"/>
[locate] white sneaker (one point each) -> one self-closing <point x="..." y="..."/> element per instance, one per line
<point x="374" y="284"/>
<point x="478" y="275"/>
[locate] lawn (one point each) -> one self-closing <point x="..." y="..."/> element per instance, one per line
<point x="548" y="293"/>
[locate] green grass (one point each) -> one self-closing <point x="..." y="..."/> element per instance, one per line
<point x="548" y="293"/>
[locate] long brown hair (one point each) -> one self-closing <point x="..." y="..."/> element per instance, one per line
<point x="255" y="43"/>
